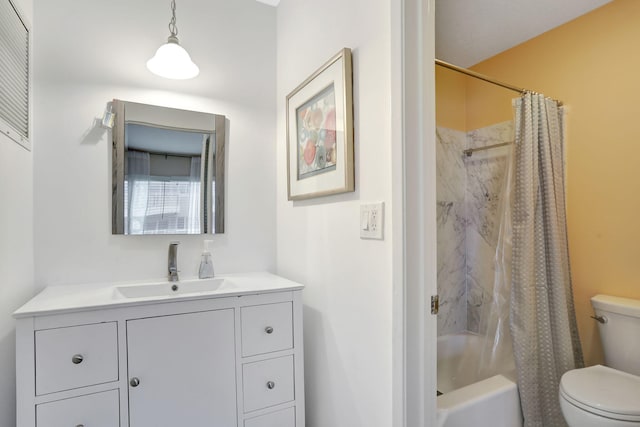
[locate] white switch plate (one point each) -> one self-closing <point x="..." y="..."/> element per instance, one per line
<point x="372" y="221"/>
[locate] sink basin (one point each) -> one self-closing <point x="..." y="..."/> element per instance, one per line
<point x="169" y="289"/>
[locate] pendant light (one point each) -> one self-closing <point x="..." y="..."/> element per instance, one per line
<point x="171" y="60"/>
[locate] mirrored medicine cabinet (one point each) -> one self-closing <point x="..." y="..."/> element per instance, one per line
<point x="168" y="170"/>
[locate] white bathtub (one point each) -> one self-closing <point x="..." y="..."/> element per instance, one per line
<point x="468" y="399"/>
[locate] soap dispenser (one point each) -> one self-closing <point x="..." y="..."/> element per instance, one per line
<point x="206" y="263"/>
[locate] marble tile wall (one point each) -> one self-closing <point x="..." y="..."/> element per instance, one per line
<point x="450" y="191"/>
<point x="468" y="202"/>
<point x="485" y="172"/>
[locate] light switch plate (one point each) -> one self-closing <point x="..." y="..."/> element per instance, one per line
<point x="372" y="221"/>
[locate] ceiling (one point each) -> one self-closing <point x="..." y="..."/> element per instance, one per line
<point x="470" y="31"/>
<point x="162" y="140"/>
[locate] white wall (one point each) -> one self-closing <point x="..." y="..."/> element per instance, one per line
<point x="91" y="52"/>
<point x="348" y="294"/>
<point x="16" y="251"/>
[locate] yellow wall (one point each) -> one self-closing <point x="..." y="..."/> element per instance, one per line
<point x="450" y="99"/>
<point x="465" y="103"/>
<point x="592" y="64"/>
<point x="487" y="104"/>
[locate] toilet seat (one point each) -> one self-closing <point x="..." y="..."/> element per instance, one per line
<point x="603" y="391"/>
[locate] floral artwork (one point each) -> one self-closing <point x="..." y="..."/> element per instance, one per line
<point x="316" y="124"/>
<point x="320" y="155"/>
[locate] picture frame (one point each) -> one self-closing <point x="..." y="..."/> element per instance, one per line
<point x="320" y="154"/>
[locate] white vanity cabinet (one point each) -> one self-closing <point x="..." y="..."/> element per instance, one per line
<point x="226" y="359"/>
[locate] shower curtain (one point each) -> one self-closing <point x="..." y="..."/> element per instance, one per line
<point x="496" y="353"/>
<point x="542" y="317"/>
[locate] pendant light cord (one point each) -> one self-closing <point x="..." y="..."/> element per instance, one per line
<point x="172" y="24"/>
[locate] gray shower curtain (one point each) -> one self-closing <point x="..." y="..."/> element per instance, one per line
<point x="542" y="317"/>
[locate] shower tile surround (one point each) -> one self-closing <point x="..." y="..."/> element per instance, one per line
<point x="468" y="213"/>
<point x="450" y="196"/>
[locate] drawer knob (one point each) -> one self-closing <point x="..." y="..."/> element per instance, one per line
<point x="77" y="359"/>
<point x="80" y="425"/>
<point x="268" y="330"/>
<point x="134" y="382"/>
<point x="271" y="385"/>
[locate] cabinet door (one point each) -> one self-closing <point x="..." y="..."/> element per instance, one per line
<point x="266" y="328"/>
<point x="185" y="370"/>
<point x="92" y="410"/>
<point x="283" y="418"/>
<point x="267" y="383"/>
<point x="78" y="356"/>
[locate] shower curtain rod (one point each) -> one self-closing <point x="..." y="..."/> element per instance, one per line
<point x="479" y="76"/>
<point x="485" y="78"/>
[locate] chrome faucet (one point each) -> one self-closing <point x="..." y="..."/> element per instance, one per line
<point x="173" y="262"/>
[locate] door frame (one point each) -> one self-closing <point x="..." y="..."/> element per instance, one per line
<point x="414" y="181"/>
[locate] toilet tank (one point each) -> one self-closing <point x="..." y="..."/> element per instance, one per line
<point x="620" y="334"/>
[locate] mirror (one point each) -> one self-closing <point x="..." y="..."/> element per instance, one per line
<point x="168" y="170"/>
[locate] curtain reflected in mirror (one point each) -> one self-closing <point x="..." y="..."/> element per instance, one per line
<point x="162" y="191"/>
<point x="166" y="182"/>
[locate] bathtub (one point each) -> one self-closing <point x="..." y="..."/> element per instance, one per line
<point x="468" y="399"/>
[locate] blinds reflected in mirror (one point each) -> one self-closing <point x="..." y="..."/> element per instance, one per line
<point x="14" y="74"/>
<point x="168" y="170"/>
<point x="167" y="204"/>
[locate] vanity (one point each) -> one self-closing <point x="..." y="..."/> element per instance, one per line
<point x="223" y="352"/>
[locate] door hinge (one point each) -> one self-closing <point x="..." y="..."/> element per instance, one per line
<point x="435" y="304"/>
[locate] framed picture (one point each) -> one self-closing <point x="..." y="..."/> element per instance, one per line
<point x="320" y="132"/>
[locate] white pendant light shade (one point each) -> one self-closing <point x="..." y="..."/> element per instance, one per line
<point x="171" y="61"/>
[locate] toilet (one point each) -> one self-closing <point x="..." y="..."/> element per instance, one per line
<point x="608" y="396"/>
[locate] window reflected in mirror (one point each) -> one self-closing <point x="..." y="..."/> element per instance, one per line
<point x="167" y="163"/>
<point x="162" y="184"/>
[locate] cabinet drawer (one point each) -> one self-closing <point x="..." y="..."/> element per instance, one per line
<point x="92" y="410"/>
<point x="284" y="418"/>
<point x="267" y="383"/>
<point x="266" y="328"/>
<point x="78" y="356"/>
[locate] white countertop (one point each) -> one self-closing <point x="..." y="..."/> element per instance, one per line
<point x="73" y="298"/>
